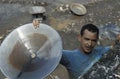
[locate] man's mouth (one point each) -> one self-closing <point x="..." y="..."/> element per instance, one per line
<point x="88" y="48"/>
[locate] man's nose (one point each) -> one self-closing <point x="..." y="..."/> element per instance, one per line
<point x="90" y="43"/>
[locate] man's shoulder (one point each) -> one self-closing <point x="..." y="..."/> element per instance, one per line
<point x="70" y="51"/>
<point x="102" y="47"/>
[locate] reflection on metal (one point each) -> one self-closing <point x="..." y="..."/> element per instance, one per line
<point x="78" y="9"/>
<point x="29" y="53"/>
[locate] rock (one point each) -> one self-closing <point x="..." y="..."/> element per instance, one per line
<point x="37" y="10"/>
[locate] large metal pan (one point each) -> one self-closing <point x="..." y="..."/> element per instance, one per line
<point x="78" y="9"/>
<point x="16" y="52"/>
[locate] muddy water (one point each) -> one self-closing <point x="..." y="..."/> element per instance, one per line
<point x="21" y="55"/>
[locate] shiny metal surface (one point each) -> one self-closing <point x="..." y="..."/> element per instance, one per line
<point x="78" y="9"/>
<point x="43" y="44"/>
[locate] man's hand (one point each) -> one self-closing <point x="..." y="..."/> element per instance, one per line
<point x="36" y="23"/>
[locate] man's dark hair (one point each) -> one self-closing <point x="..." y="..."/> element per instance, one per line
<point x="91" y="28"/>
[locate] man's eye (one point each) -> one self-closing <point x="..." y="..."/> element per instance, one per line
<point x="94" y="40"/>
<point x="86" y="39"/>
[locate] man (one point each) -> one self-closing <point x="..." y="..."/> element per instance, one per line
<point x="79" y="61"/>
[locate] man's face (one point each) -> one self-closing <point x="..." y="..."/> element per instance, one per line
<point x="88" y="41"/>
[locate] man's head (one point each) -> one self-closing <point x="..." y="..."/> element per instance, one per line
<point x="88" y="37"/>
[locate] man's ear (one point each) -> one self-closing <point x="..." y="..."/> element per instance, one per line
<point x="79" y="37"/>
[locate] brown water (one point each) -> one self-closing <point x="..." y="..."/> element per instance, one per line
<point x="21" y="55"/>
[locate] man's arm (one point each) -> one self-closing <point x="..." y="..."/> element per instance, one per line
<point x="116" y="41"/>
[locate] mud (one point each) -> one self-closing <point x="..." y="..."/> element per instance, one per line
<point x="14" y="13"/>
